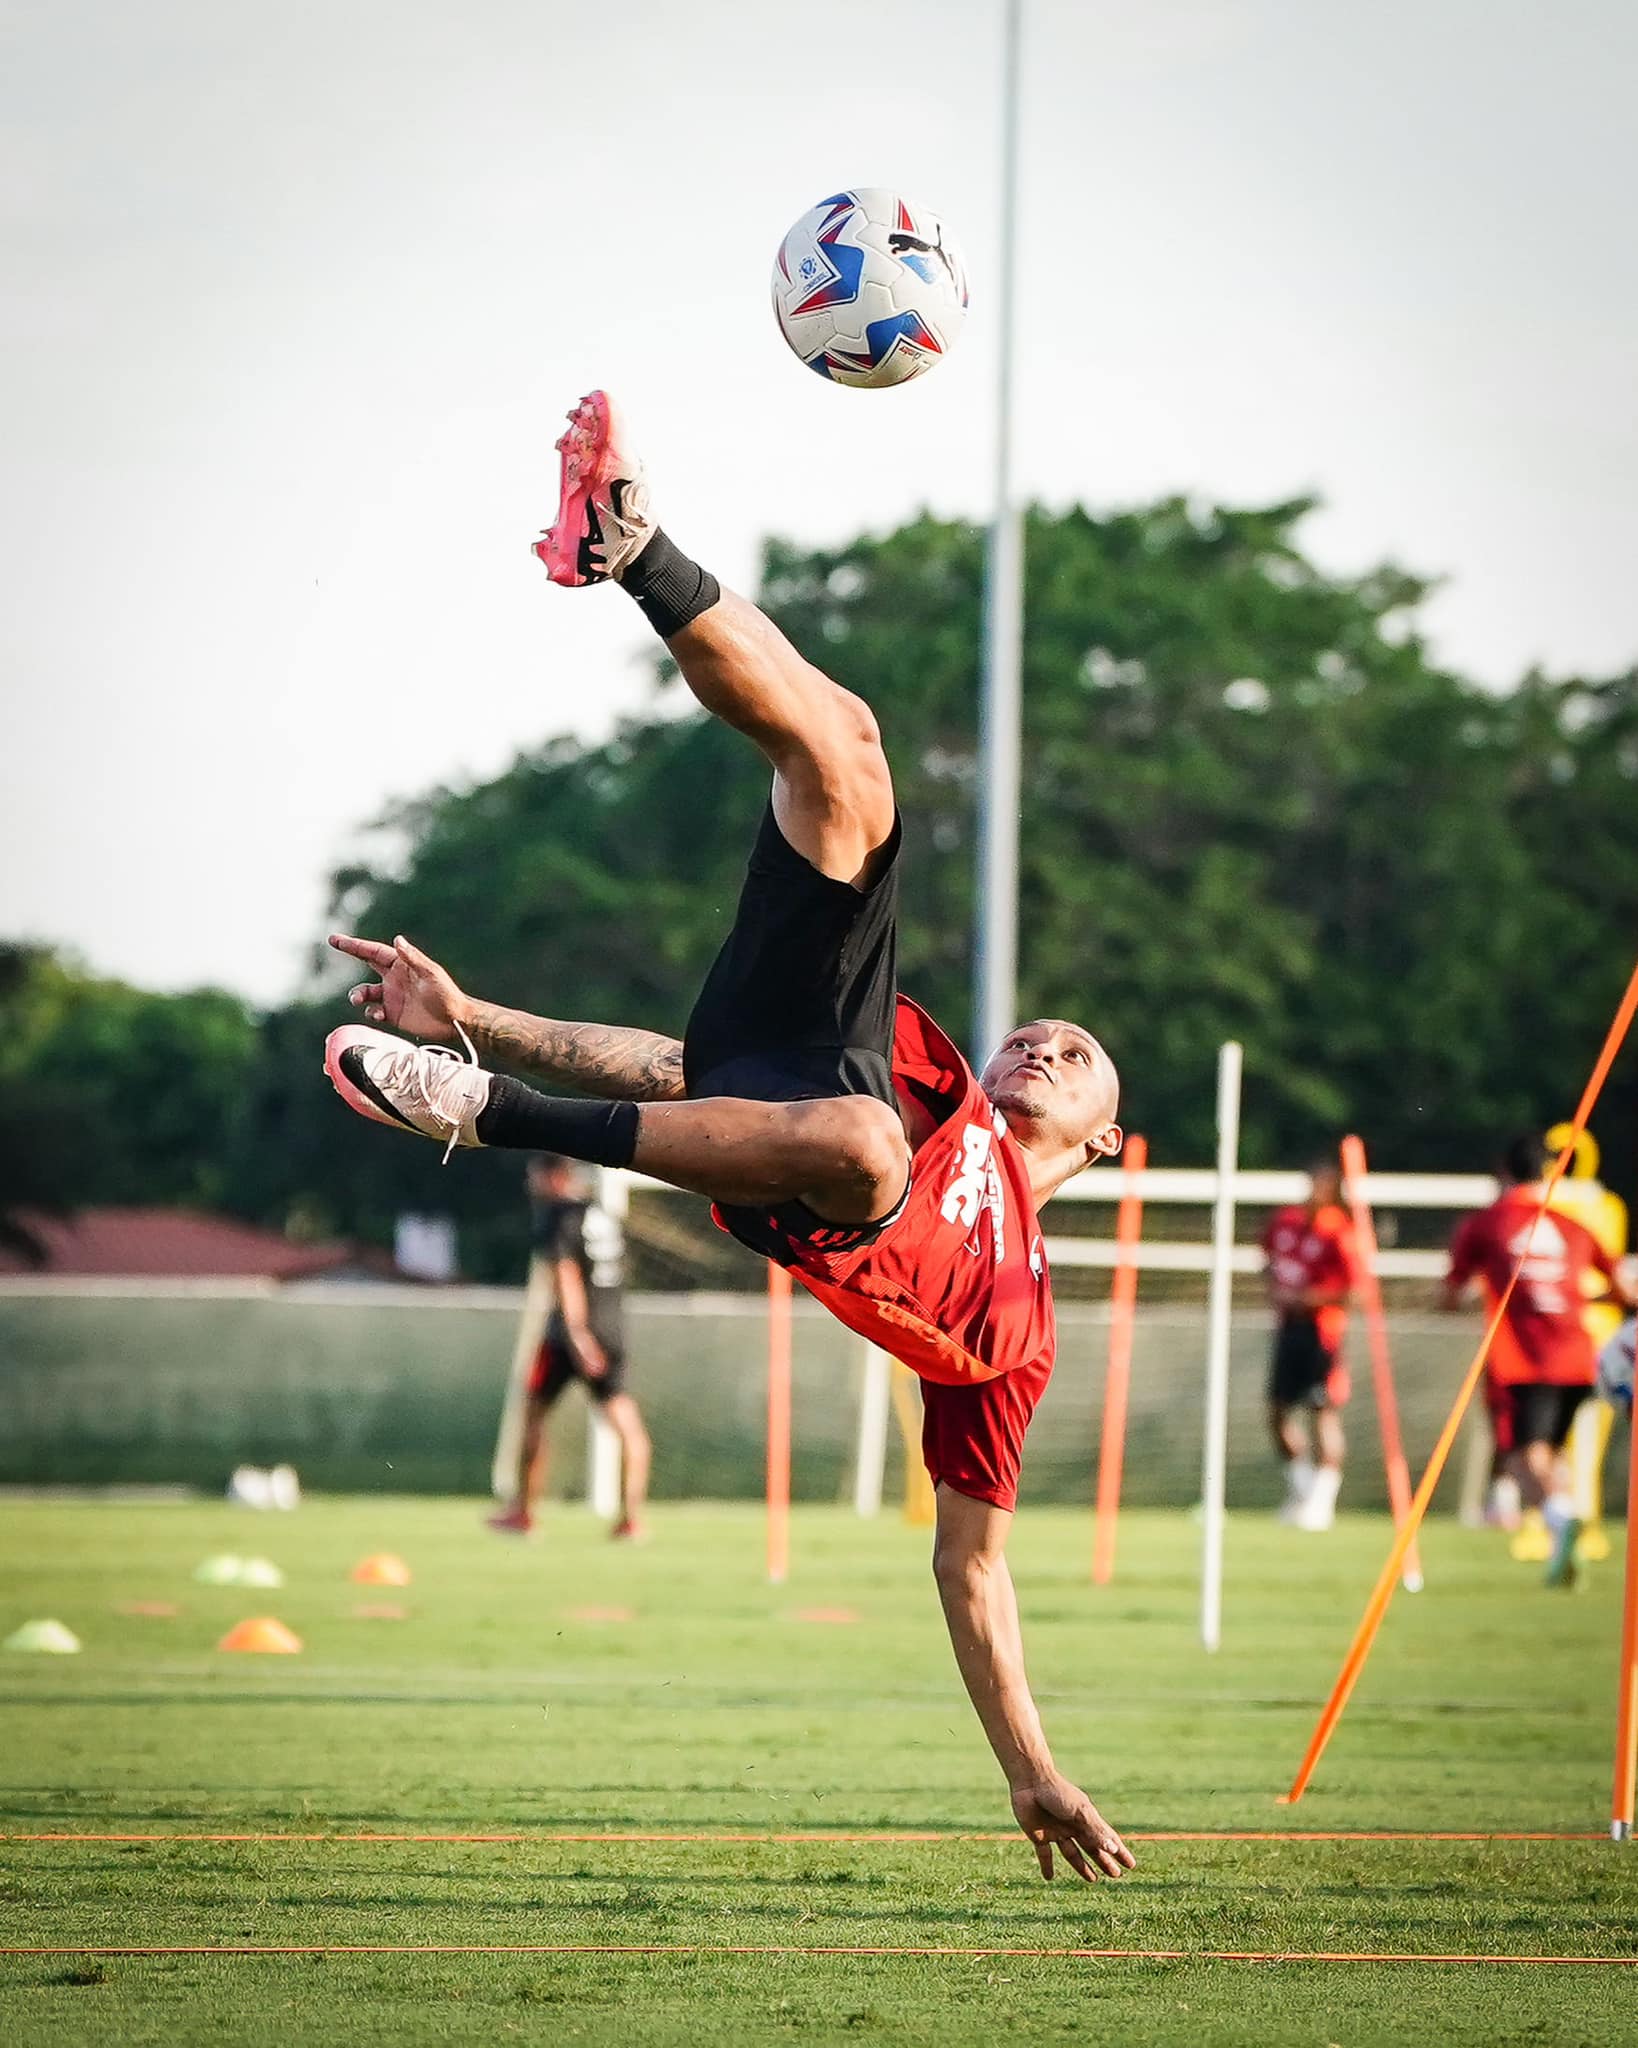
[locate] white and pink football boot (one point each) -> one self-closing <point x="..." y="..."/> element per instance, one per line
<point x="422" y="1088"/>
<point x="603" y="516"/>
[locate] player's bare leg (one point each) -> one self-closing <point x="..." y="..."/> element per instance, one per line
<point x="517" y="1518"/>
<point x="625" y="1418"/>
<point x="833" y="793"/>
<point x="1535" y="1467"/>
<point x="1289" y="1429"/>
<point x="845" y="1156"/>
<point x="832" y="790"/>
<point x="1318" y="1511"/>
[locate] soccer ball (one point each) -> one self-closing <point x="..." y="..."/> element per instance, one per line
<point x="869" y="289"/>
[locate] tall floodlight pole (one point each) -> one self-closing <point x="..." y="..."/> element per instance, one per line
<point x="995" y="954"/>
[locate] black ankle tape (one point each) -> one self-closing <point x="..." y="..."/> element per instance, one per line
<point x="671" y="591"/>
<point x="517" y="1119"/>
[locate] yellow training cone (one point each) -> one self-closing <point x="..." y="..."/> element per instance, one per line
<point x="263" y="1633"/>
<point x="383" y="1569"/>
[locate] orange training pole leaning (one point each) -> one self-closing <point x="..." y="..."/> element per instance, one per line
<point x="1376" y="1332"/>
<point x="1382" y="1593"/>
<point x="1122" y="1314"/>
<point x="779" y="1424"/>
<point x="1626" y="1712"/>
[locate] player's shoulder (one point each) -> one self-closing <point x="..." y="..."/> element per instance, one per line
<point x="925" y="1053"/>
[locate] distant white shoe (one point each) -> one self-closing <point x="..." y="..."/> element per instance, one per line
<point x="1299" y="1484"/>
<point x="1319" y="1511"/>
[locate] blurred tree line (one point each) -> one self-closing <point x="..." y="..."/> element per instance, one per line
<point x="1253" y="808"/>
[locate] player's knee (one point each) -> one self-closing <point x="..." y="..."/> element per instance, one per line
<point x="859" y="725"/>
<point x="955" y="1565"/>
<point x="871" y="1147"/>
<point x="843" y="744"/>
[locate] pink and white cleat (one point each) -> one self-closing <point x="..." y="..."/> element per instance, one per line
<point x="422" y="1088"/>
<point x="603" y="516"/>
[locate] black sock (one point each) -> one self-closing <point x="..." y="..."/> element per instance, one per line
<point x="671" y="591"/>
<point x="517" y="1119"/>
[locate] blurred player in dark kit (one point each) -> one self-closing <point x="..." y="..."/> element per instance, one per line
<point x="584" y="1248"/>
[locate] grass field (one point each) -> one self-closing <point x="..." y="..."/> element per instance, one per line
<point x="514" y="1699"/>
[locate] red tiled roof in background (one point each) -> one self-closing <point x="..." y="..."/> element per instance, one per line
<point x="172" y="1243"/>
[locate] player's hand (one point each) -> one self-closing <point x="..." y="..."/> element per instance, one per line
<point x="413" y="993"/>
<point x="1055" y="1813"/>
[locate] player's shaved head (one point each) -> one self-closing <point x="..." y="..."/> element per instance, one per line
<point x="1057" y="1087"/>
<point x="1105" y="1064"/>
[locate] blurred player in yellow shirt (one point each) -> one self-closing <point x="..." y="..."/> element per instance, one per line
<point x="1582" y="1195"/>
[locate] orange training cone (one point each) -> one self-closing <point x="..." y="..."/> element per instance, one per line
<point x="383" y="1569"/>
<point x="263" y="1633"/>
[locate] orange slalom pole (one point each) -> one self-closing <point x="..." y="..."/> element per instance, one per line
<point x="1626" y="1715"/>
<point x="1122" y="1315"/>
<point x="779" y="1424"/>
<point x="1376" y="1332"/>
<point x="1382" y="1593"/>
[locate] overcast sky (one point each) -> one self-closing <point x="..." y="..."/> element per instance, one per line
<point x="295" y="297"/>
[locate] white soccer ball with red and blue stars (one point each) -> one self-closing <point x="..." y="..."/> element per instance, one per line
<point x="869" y="289"/>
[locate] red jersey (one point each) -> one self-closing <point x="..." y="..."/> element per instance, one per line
<point x="1306" y="1251"/>
<point x="956" y="1286"/>
<point x="1542" y="1337"/>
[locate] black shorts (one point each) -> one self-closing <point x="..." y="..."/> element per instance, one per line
<point x="799" y="1005"/>
<point x="557" y="1363"/>
<point x="1300" y="1372"/>
<point x="1537" y="1412"/>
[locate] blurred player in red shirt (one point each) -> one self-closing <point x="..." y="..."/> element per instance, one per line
<point x="1310" y="1273"/>
<point x="1541" y="1365"/>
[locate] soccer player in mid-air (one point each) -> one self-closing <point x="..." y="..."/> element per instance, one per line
<point x="833" y="1125"/>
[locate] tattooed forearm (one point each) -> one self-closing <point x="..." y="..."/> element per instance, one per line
<point x="609" y="1060"/>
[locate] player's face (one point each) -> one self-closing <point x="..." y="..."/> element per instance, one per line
<point x="1057" y="1078"/>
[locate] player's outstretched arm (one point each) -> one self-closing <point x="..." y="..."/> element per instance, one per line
<point x="981" y="1609"/>
<point x="414" y="994"/>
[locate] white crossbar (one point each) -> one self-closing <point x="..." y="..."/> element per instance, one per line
<point x="1156" y="1257"/>
<point x="1198" y="1184"/>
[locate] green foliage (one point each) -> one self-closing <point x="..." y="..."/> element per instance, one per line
<point x="1253" y="807"/>
<point x="112" y="1094"/>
